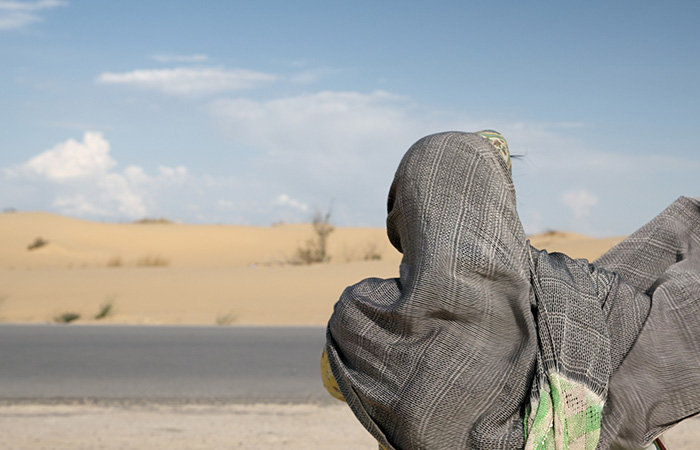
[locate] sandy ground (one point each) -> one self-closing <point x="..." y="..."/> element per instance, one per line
<point x="249" y="427"/>
<point x="193" y="274"/>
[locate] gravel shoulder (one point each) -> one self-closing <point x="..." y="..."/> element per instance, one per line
<point x="174" y="427"/>
<point x="254" y="427"/>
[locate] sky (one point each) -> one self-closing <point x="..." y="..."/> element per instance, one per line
<point x="257" y="113"/>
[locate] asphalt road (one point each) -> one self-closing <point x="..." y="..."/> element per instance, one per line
<point x="178" y="364"/>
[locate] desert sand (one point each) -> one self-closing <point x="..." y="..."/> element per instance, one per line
<point x="167" y="273"/>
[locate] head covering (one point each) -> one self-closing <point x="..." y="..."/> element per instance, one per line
<point x="444" y="356"/>
<point x="482" y="341"/>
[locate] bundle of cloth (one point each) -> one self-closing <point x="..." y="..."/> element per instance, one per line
<point x="484" y="342"/>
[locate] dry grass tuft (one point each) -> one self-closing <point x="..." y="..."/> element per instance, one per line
<point x="106" y="308"/>
<point x="151" y="220"/>
<point x="316" y="248"/>
<point x="144" y="261"/>
<point x="226" y="319"/>
<point x="372" y="252"/>
<point x="369" y="252"/>
<point x="37" y="243"/>
<point x="152" y="261"/>
<point x="115" y="261"/>
<point x="66" y="317"/>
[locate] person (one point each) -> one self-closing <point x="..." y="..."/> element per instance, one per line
<point x="484" y="342"/>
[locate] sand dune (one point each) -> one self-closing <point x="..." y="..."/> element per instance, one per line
<point x="76" y="243"/>
<point x="574" y="245"/>
<point x="193" y="274"/>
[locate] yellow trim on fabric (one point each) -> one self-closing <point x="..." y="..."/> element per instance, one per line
<point x="328" y="379"/>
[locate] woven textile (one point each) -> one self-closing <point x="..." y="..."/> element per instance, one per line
<point x="658" y="383"/>
<point x="486" y="343"/>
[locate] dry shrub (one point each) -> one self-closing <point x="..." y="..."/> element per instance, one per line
<point x="37" y="243"/>
<point x="316" y="248"/>
<point x="152" y="261"/>
<point x="115" y="261"/>
<point x="151" y="220"/>
<point x="106" y="308"/>
<point x="349" y="253"/>
<point x="66" y="317"/>
<point x="144" y="261"/>
<point x="226" y="319"/>
<point x="372" y="252"/>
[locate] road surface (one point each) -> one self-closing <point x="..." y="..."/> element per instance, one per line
<point x="178" y="364"/>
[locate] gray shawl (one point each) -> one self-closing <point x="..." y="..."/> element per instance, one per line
<point x="458" y="351"/>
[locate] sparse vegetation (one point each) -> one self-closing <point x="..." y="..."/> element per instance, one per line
<point x="369" y="252"/>
<point x="106" y="308"/>
<point x="316" y="248"/>
<point x="226" y="319"/>
<point x="115" y="261"/>
<point x="152" y="261"/>
<point x="372" y="252"/>
<point x="151" y="220"/>
<point x="3" y="298"/>
<point x="66" y="317"/>
<point x="37" y="243"/>
<point x="144" y="261"/>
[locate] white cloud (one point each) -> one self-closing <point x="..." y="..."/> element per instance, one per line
<point x="29" y="6"/>
<point x="532" y="221"/>
<point x="225" y="204"/>
<point x="78" y="205"/>
<point x="580" y="203"/>
<point x="550" y="147"/>
<point x="178" y="173"/>
<point x="188" y="81"/>
<point x="327" y="127"/>
<point x="311" y="75"/>
<point x="116" y="189"/>
<point x="286" y="200"/>
<point x="343" y="148"/>
<point x="73" y="159"/>
<point x="329" y="146"/>
<point x="16" y="15"/>
<point x="136" y="175"/>
<point x="167" y="58"/>
<point x="81" y="179"/>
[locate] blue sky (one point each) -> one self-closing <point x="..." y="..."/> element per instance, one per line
<point x="259" y="112"/>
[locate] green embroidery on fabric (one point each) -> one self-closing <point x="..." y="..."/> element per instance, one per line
<point x="566" y="416"/>
<point x="497" y="140"/>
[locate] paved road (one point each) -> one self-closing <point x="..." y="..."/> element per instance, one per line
<point x="56" y="363"/>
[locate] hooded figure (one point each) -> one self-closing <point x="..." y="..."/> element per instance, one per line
<point x="484" y="342"/>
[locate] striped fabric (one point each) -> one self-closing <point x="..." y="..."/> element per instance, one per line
<point x="486" y="343"/>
